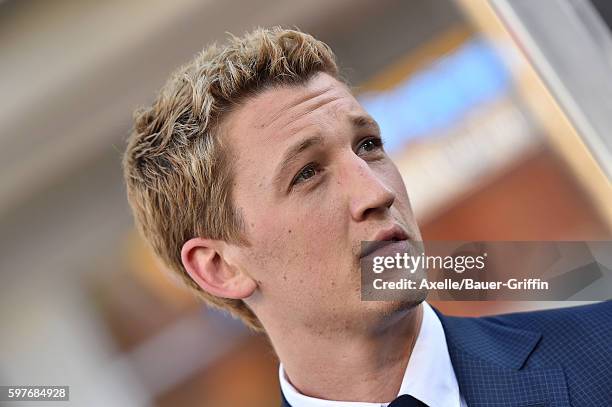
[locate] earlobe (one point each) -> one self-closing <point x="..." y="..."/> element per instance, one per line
<point x="203" y="260"/>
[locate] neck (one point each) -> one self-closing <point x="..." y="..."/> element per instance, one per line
<point x="367" y="366"/>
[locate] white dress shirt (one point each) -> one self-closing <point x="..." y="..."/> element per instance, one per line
<point x="429" y="375"/>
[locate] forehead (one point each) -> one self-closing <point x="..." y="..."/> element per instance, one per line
<point x="279" y="113"/>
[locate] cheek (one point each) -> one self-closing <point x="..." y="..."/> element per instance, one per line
<point x="296" y="248"/>
<point x="402" y="202"/>
<point x="400" y="189"/>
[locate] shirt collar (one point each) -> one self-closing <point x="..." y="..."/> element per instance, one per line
<point x="429" y="375"/>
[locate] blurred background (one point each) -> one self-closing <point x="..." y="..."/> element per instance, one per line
<point x="498" y="114"/>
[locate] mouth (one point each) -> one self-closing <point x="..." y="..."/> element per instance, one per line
<point x="382" y="239"/>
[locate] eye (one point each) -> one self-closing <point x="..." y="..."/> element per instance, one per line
<point x="371" y="144"/>
<point x="309" y="171"/>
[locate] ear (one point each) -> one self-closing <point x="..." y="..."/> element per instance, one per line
<point x="203" y="260"/>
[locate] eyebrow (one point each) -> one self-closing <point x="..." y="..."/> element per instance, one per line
<point x="359" y="122"/>
<point x="293" y="154"/>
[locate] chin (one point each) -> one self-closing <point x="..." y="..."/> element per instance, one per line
<point x="383" y="313"/>
<point x="400" y="307"/>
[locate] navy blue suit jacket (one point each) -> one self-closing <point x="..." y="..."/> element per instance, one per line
<point x="552" y="358"/>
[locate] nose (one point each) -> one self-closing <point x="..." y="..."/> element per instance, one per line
<point x="369" y="196"/>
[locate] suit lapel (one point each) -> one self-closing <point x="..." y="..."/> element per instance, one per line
<point x="491" y="364"/>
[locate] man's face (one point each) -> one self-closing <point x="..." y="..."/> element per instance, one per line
<point x="312" y="182"/>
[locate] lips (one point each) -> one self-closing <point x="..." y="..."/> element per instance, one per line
<point x="382" y="239"/>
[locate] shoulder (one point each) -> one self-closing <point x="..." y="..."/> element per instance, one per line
<point x="575" y="337"/>
<point x="568" y="336"/>
<point x="595" y="319"/>
<point x="585" y="318"/>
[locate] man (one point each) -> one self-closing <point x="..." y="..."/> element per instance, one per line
<point x="256" y="176"/>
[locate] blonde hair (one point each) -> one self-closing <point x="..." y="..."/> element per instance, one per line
<point x="177" y="166"/>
